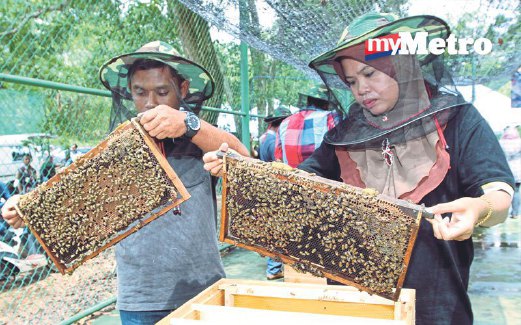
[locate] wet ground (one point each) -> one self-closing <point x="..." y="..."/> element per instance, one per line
<point x="495" y="285"/>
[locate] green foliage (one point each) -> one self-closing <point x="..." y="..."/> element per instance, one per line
<point x="270" y="80"/>
<point x="21" y="112"/>
<point x="503" y="28"/>
<point x="506" y="89"/>
<point x="67" y="41"/>
<point x="40" y="145"/>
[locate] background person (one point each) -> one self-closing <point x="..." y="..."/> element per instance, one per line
<point x="410" y="135"/>
<point x="267" y="153"/>
<point x="511" y="143"/>
<point x="300" y="134"/>
<point x="26" y="176"/>
<point x="47" y="170"/>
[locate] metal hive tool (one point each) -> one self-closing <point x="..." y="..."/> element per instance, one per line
<point x="107" y="194"/>
<point x="347" y="234"/>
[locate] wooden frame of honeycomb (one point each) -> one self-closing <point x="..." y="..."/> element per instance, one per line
<point x="350" y="235"/>
<point x="109" y="193"/>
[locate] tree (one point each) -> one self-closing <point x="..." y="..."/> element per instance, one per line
<point x="496" y="68"/>
<point x="194" y="34"/>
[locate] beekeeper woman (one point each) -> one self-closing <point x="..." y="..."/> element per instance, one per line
<point x="410" y="135"/>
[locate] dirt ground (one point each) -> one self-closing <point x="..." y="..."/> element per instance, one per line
<point x="47" y="297"/>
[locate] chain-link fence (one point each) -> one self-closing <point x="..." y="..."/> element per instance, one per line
<point x="37" y="124"/>
<point x="54" y="109"/>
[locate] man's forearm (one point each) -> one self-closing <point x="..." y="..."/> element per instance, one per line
<point x="209" y="138"/>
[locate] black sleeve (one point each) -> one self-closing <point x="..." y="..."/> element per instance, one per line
<point x="481" y="158"/>
<point x="323" y="162"/>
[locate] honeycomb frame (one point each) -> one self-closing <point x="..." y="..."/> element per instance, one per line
<point x="323" y="230"/>
<point x="96" y="206"/>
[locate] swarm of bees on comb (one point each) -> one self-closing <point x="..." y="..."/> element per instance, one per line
<point x="351" y="235"/>
<point x="91" y="204"/>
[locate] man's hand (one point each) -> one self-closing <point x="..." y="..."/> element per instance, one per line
<point x="214" y="164"/>
<point x="465" y="213"/>
<point x="163" y="122"/>
<point x="9" y="212"/>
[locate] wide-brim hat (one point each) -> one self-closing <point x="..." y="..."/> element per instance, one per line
<point x="373" y="25"/>
<point x="423" y="75"/>
<point x="114" y="73"/>
<point x="318" y="92"/>
<point x="279" y="114"/>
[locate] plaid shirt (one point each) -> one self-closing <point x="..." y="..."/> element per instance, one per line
<point x="301" y="133"/>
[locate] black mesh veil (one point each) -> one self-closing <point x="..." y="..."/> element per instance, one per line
<point x="115" y="73"/>
<point x="120" y="112"/>
<point x="426" y="96"/>
<point x="123" y="108"/>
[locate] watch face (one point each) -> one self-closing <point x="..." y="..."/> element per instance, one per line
<point x="193" y="122"/>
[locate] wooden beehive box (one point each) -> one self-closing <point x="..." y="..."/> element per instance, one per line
<point x="232" y="301"/>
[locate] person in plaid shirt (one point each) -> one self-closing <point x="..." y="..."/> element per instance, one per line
<point x="301" y="133"/>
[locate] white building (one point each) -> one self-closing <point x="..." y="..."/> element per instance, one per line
<point x="494" y="107"/>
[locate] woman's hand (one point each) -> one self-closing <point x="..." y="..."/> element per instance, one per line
<point x="465" y="214"/>
<point x="10" y="214"/>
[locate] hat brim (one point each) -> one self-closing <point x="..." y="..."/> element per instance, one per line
<point x="314" y="96"/>
<point x="275" y="119"/>
<point x="201" y="83"/>
<point x="436" y="27"/>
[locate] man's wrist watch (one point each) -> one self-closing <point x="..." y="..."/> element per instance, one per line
<point x="193" y="125"/>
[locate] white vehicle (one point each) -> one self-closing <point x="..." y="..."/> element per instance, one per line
<point x="11" y="261"/>
<point x="12" y="150"/>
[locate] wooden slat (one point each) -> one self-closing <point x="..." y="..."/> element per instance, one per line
<point x="235" y="315"/>
<point x="408" y="294"/>
<point x="405" y="307"/>
<point x="322" y="293"/>
<point x="224" y="211"/>
<point x="210" y="296"/>
<point x="181" y="321"/>
<point x="315" y="307"/>
<point x="310" y="300"/>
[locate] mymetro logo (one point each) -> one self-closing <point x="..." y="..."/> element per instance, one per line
<point x="403" y="43"/>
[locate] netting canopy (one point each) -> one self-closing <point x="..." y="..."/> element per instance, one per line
<point x="296" y="31"/>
